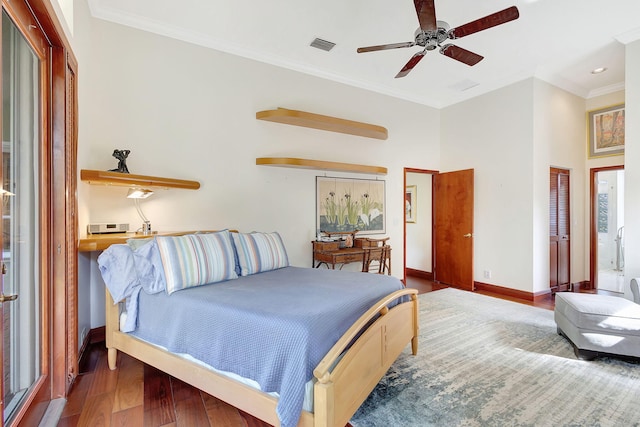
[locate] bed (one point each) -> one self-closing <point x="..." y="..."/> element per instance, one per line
<point x="346" y="360"/>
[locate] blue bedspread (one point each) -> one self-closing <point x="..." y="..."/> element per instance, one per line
<point x="272" y="327"/>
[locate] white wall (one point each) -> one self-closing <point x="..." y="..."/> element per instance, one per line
<point x="90" y="290"/>
<point x="511" y="137"/>
<point x="632" y="164"/>
<point x="189" y="112"/>
<point x="493" y="134"/>
<point x="559" y="141"/>
<point x="596" y="103"/>
<point x="64" y="11"/>
<point x="419" y="234"/>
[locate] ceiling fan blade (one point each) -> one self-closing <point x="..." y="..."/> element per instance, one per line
<point x="460" y="54"/>
<point x="412" y="63"/>
<point x="506" y="15"/>
<point x="426" y="14"/>
<point x="385" y="47"/>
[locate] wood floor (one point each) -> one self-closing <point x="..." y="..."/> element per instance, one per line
<point x="136" y="394"/>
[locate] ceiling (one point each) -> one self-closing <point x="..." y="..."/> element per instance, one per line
<point x="558" y="41"/>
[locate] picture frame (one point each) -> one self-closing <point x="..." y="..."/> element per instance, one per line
<point x="348" y="204"/>
<point x="605" y="129"/>
<point x="410" y="203"/>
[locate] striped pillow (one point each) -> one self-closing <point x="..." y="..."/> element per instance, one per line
<point x="196" y="259"/>
<point x="258" y="252"/>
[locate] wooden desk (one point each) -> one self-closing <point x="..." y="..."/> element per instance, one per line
<point x="330" y="254"/>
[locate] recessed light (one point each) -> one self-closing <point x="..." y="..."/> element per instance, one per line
<point x="599" y="70"/>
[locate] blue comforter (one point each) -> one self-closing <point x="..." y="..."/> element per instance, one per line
<point x="272" y="327"/>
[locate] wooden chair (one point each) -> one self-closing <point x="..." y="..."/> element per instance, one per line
<point x="377" y="255"/>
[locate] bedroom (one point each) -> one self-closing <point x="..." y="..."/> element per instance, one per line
<point x="224" y="92"/>
<point x="215" y="104"/>
<point x="217" y="137"/>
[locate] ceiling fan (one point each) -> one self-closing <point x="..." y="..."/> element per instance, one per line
<point x="432" y="34"/>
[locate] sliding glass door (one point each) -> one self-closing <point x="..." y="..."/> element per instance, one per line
<point x="21" y="300"/>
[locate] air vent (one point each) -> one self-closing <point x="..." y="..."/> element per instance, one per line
<point x="463" y="85"/>
<point x="322" y="44"/>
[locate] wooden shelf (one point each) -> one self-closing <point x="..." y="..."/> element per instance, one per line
<point x="289" y="162"/>
<point x="100" y="242"/>
<point x="131" y="180"/>
<point x="317" y="121"/>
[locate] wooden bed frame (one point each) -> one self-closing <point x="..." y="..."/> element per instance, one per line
<point x="338" y="393"/>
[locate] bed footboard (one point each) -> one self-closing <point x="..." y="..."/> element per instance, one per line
<point x="340" y="392"/>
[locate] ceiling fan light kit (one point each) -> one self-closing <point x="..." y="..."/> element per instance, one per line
<point x="431" y="34"/>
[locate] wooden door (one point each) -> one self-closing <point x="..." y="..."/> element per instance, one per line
<point x="453" y="228"/>
<point x="559" y="230"/>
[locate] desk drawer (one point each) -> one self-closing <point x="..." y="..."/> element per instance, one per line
<point x="346" y="258"/>
<point x="326" y="246"/>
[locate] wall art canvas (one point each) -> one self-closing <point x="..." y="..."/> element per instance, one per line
<point x="344" y="204"/>
<point x="606" y="131"/>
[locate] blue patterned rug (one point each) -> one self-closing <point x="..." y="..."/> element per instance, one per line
<point x="488" y="362"/>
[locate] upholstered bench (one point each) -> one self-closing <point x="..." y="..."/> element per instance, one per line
<point x="598" y="325"/>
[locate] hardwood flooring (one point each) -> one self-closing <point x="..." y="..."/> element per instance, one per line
<point x="136" y="394"/>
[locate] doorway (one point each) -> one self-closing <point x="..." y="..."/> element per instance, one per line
<point x="450" y="219"/>
<point x="418" y="225"/>
<point x="607" y="229"/>
<point x="559" y="230"/>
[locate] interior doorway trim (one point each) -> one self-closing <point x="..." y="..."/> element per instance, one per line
<point x="404" y="221"/>
<point x="593" y="220"/>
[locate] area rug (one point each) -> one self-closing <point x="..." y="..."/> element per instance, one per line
<point x="483" y="361"/>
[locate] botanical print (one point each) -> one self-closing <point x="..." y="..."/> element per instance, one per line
<point x="606" y="131"/>
<point x="350" y="204"/>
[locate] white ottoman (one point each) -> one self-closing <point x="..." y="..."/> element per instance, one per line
<point x="598" y="325"/>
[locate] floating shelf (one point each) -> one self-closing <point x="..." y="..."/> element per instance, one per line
<point x="289" y="162"/>
<point x="100" y="242"/>
<point x="317" y="121"/>
<point x="131" y="180"/>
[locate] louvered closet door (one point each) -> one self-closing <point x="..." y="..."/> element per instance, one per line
<point x="559" y="230"/>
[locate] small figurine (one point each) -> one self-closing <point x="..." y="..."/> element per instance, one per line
<point x="121" y="155"/>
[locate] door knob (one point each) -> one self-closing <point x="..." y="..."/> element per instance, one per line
<point x="468" y="235"/>
<point x="5" y="298"/>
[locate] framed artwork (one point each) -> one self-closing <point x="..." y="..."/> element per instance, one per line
<point x="410" y="203"/>
<point x="345" y="204"/>
<point x="606" y="131"/>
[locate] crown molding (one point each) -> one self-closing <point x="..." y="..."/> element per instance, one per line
<point x="606" y="90"/>
<point x="628" y="36"/>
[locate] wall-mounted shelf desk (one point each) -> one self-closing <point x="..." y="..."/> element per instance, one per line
<point x="100" y="242"/>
